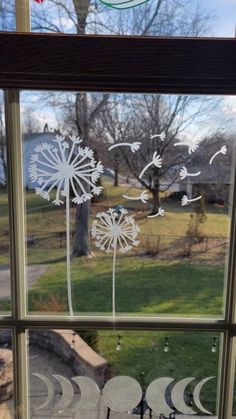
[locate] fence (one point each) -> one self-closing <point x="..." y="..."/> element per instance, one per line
<point x="151" y="245"/>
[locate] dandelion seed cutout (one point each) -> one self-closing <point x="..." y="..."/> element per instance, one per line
<point x="184" y="173"/>
<point x="156" y="161"/>
<point x="162" y="136"/>
<point x="185" y="200"/>
<point x="143" y="197"/>
<point x="65" y="165"/>
<point x="223" y="151"/>
<point x="193" y="146"/>
<point x="133" y="146"/>
<point x="160" y="212"/>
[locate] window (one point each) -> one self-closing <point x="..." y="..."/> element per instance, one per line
<point x="135" y="66"/>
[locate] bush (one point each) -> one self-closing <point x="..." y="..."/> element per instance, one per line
<point x="194" y="234"/>
<point x="152" y="246"/>
<point x="90" y="337"/>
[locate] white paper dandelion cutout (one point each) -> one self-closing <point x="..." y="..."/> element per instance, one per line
<point x="143" y="197"/>
<point x="65" y="166"/>
<point x="223" y="151"/>
<point x="192" y="145"/>
<point x="112" y="232"/>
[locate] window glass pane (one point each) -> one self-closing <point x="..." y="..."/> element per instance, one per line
<point x="7" y="15"/>
<point x="120" y="374"/>
<point x="135" y="218"/>
<point x="156" y="18"/>
<point x="5" y="278"/>
<point x="6" y="375"/>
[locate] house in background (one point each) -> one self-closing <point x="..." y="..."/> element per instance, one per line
<point x="214" y="183"/>
<point x="30" y="141"/>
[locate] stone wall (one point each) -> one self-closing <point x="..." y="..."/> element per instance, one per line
<point x="81" y="358"/>
<point x="6" y="375"/>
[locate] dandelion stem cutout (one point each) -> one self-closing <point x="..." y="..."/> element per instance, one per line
<point x="63" y="167"/>
<point x="112" y="232"/>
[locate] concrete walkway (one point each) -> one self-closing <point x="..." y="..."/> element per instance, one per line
<point x="33" y="273"/>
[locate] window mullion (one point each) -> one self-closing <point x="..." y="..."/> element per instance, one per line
<point x="230" y="303"/>
<point x="20" y="369"/>
<point x="16" y="199"/>
<point x="227" y="378"/>
<point x="226" y="385"/>
<point x="22" y="9"/>
<point x="17" y="236"/>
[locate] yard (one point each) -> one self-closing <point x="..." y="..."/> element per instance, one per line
<point x="155" y="278"/>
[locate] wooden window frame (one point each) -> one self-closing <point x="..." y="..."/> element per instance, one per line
<point x="110" y="64"/>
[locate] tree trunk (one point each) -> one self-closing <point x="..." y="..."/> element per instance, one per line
<point x="81" y="242"/>
<point x="116" y="176"/>
<point x="81" y="9"/>
<point x="155" y="201"/>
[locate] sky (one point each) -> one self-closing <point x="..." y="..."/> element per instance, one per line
<point x="223" y="25"/>
<point x="225" y="20"/>
<point x="224" y="11"/>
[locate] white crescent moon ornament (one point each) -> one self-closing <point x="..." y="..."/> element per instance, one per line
<point x="67" y="393"/>
<point x="89" y="394"/>
<point x="196" y="395"/>
<point x="50" y="389"/>
<point x="177" y="396"/>
<point x="122" y="393"/>
<point x="155" y="396"/>
<point x="125" y="4"/>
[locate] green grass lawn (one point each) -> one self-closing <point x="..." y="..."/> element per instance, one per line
<point x="142" y="357"/>
<point x="143" y="286"/>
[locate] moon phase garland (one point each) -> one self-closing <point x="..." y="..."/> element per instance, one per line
<point x="127" y="394"/>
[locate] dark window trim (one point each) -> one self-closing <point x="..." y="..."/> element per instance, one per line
<point x="118" y="64"/>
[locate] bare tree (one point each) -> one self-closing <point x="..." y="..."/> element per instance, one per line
<point x="30" y="122"/>
<point x="164" y="17"/>
<point x="159" y="122"/>
<point x="7" y="15"/>
<point x="111" y="128"/>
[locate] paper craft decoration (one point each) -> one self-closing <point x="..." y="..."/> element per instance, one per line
<point x="65" y="166"/>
